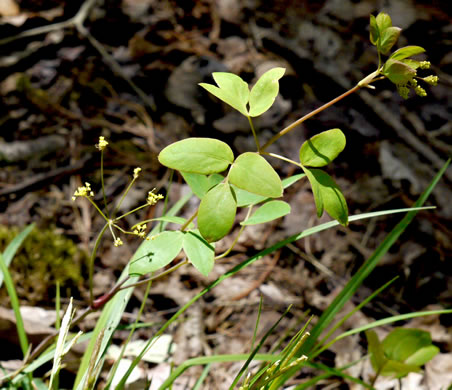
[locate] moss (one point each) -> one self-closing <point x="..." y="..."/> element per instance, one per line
<point x="45" y="257"/>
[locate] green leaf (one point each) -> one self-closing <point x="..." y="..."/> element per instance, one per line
<point x="423" y="355"/>
<point x="401" y="343"/>
<point x="268" y="212"/>
<point x="377" y="357"/>
<point x="245" y="198"/>
<point x="398" y="72"/>
<point x="217" y="212"/>
<point x="413" y="64"/>
<point x="322" y="148"/>
<point x="200" y="253"/>
<point x="405" y="52"/>
<point x="252" y="173"/>
<point x="264" y="92"/>
<point x="156" y="253"/>
<point x="200" y="184"/>
<point x="388" y="39"/>
<point x="374" y="32"/>
<point x="383" y="22"/>
<point x="232" y="90"/>
<point x="197" y="155"/>
<point x="327" y="195"/>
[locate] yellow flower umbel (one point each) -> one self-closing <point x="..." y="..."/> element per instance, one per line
<point x="140" y="230"/>
<point x="84" y="191"/>
<point x="152" y="198"/>
<point x="102" y="143"/>
<point x="118" y="242"/>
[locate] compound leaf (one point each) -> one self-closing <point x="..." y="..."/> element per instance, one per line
<point x="197" y="155"/>
<point x="252" y="173"/>
<point x="156" y="253"/>
<point x="268" y="212"/>
<point x="405" y="52"/>
<point x="398" y="72"/>
<point x="232" y="90"/>
<point x="322" y="148"/>
<point x="200" y="184"/>
<point x="264" y="92"/>
<point x="388" y="39"/>
<point x="216" y="212"/>
<point x="327" y="195"/>
<point x="199" y="252"/>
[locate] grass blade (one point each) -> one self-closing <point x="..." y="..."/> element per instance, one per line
<point x="13" y="246"/>
<point x="23" y="340"/>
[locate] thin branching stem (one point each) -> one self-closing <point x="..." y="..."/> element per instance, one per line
<point x="185" y="225"/>
<point x="102" y="181"/>
<point x="282" y="158"/>
<point x="256" y="140"/>
<point x="306" y="117"/>
<point x="91" y="261"/>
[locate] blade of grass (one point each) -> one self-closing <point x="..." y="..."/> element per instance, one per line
<point x="249" y="261"/>
<point x="256" y="350"/>
<point x="212" y="359"/>
<point x="11" y="289"/>
<point x="357" y="308"/>
<point x="112" y="313"/>
<point x="202" y="378"/>
<point x="384" y="321"/>
<point x="351" y="287"/>
<point x="14" y="245"/>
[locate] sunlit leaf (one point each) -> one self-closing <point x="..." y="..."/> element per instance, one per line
<point x="327" y="195"/>
<point x="232" y="90"/>
<point x="268" y="212"/>
<point x="200" y="184"/>
<point x="388" y="39"/>
<point x="374" y="32"/>
<point x="199" y="252"/>
<point x="322" y="148"/>
<point x="383" y="22"/>
<point x="398" y="72"/>
<point x="265" y="91"/>
<point x="197" y="155"/>
<point x="156" y="253"/>
<point x="252" y="173"/>
<point x="216" y="212"/>
<point x="405" y="52"/>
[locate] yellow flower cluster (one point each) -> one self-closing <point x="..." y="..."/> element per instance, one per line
<point x="102" y="143"/>
<point x="83" y="191"/>
<point x="118" y="242"/>
<point x="136" y="172"/>
<point x="140" y="230"/>
<point x="152" y="198"/>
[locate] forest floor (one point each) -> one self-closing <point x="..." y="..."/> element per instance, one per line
<point x="129" y="70"/>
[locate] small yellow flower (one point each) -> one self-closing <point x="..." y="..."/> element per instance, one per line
<point x="431" y="80"/>
<point x="152" y="198"/>
<point x="102" y="143"/>
<point x="424" y="64"/>
<point x="420" y="91"/>
<point x="140" y="230"/>
<point x="118" y="242"/>
<point x="136" y="172"/>
<point x="84" y="191"/>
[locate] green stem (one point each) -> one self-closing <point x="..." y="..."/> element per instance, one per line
<point x="131" y="212"/>
<point x="97" y="207"/>
<point x="165" y="202"/>
<point x="102" y="181"/>
<point x="123" y="196"/>
<point x="91" y="262"/>
<point x="307" y="116"/>
<point x="185" y="225"/>
<point x="282" y="158"/>
<point x="254" y="135"/>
